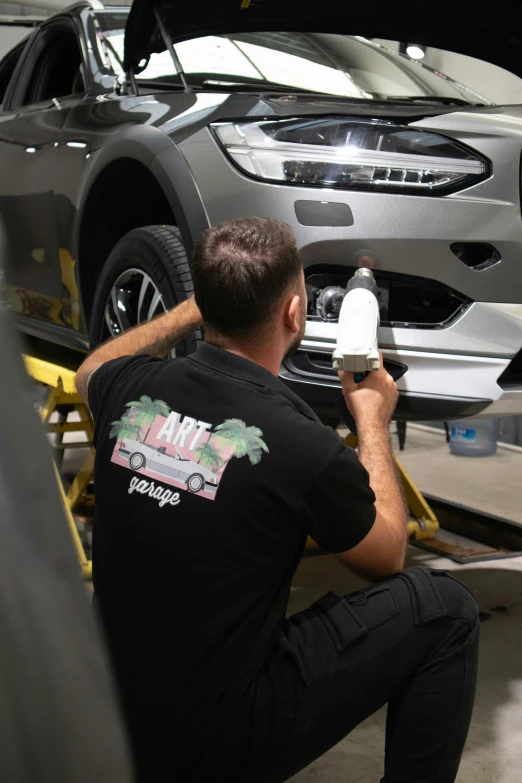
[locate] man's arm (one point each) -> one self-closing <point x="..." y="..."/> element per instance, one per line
<point x="156" y="338"/>
<point x="372" y="402"/>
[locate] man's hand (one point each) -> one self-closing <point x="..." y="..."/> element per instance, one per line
<point x="372" y="401"/>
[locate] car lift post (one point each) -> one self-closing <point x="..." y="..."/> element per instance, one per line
<point x="424" y="523"/>
<point x="62" y="392"/>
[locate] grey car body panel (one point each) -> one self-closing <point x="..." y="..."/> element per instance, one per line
<point x="220" y="107"/>
<point x="69" y="338"/>
<point x="144" y="143"/>
<point x="156" y="151"/>
<point x="393" y="229"/>
<point x="484" y="329"/>
<point x="323" y="213"/>
<point x="173" y="174"/>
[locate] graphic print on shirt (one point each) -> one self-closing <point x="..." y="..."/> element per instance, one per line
<point x="179" y="450"/>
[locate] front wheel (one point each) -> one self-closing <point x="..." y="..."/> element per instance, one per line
<point x="195" y="483"/>
<point x="137" y="460"/>
<point x="146" y="274"/>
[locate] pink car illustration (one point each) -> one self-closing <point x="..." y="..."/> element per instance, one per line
<point x="143" y="455"/>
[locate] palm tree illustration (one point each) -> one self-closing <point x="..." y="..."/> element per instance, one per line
<point x="245" y="441"/>
<point x="209" y="456"/>
<point x="125" y="428"/>
<point x="145" y="410"/>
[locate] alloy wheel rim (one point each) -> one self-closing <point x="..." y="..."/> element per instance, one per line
<point x="134" y="299"/>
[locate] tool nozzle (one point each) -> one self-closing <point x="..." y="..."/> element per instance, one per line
<point x="363" y="271"/>
<point x="365" y="262"/>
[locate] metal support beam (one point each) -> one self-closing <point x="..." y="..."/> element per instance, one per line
<point x="62" y="392"/>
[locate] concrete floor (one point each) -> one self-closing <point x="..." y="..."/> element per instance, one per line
<point x="492" y="484"/>
<point x="494" y="750"/>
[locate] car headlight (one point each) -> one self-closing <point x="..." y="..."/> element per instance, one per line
<point x="346" y="153"/>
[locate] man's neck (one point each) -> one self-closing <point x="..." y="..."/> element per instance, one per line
<point x="270" y="358"/>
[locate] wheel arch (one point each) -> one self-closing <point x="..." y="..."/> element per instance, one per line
<point x="140" y="179"/>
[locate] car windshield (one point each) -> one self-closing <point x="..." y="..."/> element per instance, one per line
<point x="322" y="63"/>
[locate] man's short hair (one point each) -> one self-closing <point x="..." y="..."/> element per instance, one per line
<point x="241" y="270"/>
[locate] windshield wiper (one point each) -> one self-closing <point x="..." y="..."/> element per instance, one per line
<point x="261" y="86"/>
<point x="162" y="85"/>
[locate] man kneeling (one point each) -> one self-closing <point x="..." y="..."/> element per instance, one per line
<point x="210" y="473"/>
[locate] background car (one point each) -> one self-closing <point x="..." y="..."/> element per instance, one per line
<point x="116" y="155"/>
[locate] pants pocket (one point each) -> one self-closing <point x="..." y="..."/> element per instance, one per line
<point x="340" y="620"/>
<point x="372" y="612"/>
<point x="324" y="637"/>
<point x="426" y="600"/>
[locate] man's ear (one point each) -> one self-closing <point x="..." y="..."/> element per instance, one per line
<point x="293" y="313"/>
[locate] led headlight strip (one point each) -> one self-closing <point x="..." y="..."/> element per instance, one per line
<point x="360" y="155"/>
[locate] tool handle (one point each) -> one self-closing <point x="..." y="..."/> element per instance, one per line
<point x="341" y="406"/>
<point x="345" y="414"/>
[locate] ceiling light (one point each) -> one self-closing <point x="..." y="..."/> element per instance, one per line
<point x="415" y="51"/>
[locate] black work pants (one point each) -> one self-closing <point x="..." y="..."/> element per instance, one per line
<point x="410" y="642"/>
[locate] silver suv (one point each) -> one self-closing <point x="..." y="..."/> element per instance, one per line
<point x="122" y="138"/>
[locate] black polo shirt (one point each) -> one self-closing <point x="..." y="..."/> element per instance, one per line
<point x="209" y="475"/>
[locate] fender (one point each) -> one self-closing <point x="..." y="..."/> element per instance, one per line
<point x="155" y="150"/>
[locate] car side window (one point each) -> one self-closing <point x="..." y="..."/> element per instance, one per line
<point x="7" y="67"/>
<point x="57" y="70"/>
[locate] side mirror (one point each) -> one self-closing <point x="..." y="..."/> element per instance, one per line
<point x="105" y="83"/>
<point x="109" y="82"/>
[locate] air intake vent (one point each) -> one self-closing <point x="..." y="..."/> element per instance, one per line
<point x="405" y="301"/>
<point x="477" y="255"/>
<point x="320" y="364"/>
<point x="512" y="375"/>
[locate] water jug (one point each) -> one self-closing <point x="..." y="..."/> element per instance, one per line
<point x="474" y="437"/>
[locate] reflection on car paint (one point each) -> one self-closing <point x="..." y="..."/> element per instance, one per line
<point x="71" y="297"/>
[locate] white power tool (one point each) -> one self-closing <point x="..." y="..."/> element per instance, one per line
<point x="356" y="348"/>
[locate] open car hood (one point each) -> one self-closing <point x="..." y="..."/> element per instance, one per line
<point x="454" y="25"/>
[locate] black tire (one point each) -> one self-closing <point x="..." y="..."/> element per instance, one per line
<point x="197" y="481"/>
<point x="139" y="460"/>
<point x="154" y="251"/>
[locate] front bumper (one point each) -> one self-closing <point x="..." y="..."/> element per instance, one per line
<point x="423" y="389"/>
<point x="411" y="406"/>
<point x="451" y="371"/>
<point x="455" y="375"/>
